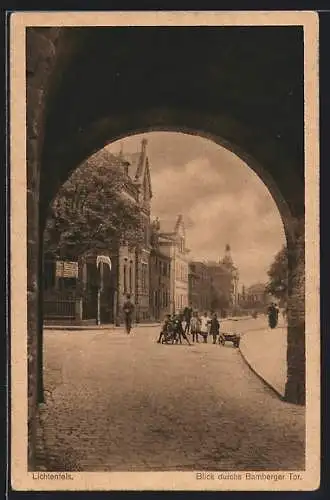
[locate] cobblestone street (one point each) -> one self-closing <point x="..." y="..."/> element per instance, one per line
<point x="116" y="402"/>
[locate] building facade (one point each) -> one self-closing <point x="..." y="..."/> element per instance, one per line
<point x="95" y="292"/>
<point x="255" y="297"/>
<point x="172" y="241"/>
<point x="139" y="173"/>
<point x="199" y="286"/>
<point x="160" y="284"/>
<point x="213" y="286"/>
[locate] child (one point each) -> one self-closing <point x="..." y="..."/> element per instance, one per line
<point x="195" y="326"/>
<point x="214" y="328"/>
<point x="165" y="327"/>
<point x="179" y="331"/>
<point x="205" y="321"/>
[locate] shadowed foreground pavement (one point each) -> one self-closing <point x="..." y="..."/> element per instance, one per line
<point x="116" y="402"/>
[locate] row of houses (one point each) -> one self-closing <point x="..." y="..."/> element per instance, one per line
<point x="159" y="273"/>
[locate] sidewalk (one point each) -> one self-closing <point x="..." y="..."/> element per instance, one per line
<point x="265" y="352"/>
<point x="96" y="327"/>
<point x="110" y="326"/>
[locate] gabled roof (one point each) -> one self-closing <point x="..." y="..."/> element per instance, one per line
<point x="167" y="226"/>
<point x="171" y="226"/>
<point x="138" y="167"/>
<point x="133" y="160"/>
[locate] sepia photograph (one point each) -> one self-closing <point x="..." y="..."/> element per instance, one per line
<point x="164" y="218"/>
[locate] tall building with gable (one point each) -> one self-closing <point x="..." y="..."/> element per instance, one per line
<point x="172" y="241"/>
<point x="138" y="169"/>
<point x="129" y="272"/>
<point x="224" y="282"/>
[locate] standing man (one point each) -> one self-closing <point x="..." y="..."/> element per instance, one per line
<point x="187" y="314"/>
<point x="214" y="327"/>
<point x="128" y="309"/>
<point x="272" y="315"/>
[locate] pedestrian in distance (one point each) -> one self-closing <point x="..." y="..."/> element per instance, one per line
<point x="214" y="327"/>
<point x="128" y="309"/>
<point x="195" y="326"/>
<point x="205" y="324"/>
<point x="272" y="315"/>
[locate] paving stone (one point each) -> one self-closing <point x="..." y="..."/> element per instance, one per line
<point x="138" y="405"/>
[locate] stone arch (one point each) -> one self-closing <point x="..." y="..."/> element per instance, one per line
<point x="63" y="128"/>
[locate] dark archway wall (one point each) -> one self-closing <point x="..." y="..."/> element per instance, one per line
<point x="241" y="87"/>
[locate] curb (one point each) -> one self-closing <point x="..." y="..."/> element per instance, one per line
<point x="268" y="384"/>
<point x="82" y="328"/>
<point x="113" y="327"/>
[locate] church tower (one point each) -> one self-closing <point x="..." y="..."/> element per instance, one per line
<point x="227" y="260"/>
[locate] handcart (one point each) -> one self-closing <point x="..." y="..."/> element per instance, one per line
<point x="233" y="336"/>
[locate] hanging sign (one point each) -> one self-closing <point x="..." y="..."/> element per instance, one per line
<point x="104" y="259"/>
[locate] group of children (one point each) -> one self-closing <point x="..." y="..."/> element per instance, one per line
<point x="204" y="326"/>
<point x="195" y="325"/>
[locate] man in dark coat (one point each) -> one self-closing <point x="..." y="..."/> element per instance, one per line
<point x="128" y="309"/>
<point x="178" y="330"/>
<point x="272" y="315"/>
<point x="187" y="315"/>
<point x="214" y="327"/>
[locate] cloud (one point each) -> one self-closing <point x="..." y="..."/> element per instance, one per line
<point x="221" y="198"/>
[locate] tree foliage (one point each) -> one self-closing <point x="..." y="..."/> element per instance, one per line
<point x="278" y="275"/>
<point x="219" y="300"/>
<point x="92" y="210"/>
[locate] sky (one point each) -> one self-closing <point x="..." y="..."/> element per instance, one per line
<point x="221" y="198"/>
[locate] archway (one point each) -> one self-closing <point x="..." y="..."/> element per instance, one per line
<point x="62" y="129"/>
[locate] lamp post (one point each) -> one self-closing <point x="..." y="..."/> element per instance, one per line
<point x="236" y="278"/>
<point x="100" y="261"/>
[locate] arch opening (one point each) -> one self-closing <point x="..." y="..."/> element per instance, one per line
<point x="263" y="125"/>
<point x="268" y="183"/>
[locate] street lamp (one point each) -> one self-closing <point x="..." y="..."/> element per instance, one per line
<point x="236" y="278"/>
<point x="100" y="261"/>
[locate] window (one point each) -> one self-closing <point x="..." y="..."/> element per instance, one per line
<point x="49" y="274"/>
<point x="125" y="278"/>
<point x="67" y="283"/>
<point x="144" y="277"/>
<point x="130" y="277"/>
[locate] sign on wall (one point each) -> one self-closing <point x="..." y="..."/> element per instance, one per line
<point x="66" y="269"/>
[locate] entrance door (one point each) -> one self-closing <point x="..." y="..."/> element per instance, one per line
<point x="107" y="305"/>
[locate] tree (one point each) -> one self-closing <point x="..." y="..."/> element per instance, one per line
<point x="93" y="211"/>
<point x="278" y="276"/>
<point x="219" y="301"/>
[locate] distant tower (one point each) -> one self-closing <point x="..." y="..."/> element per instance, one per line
<point x="227" y="260"/>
